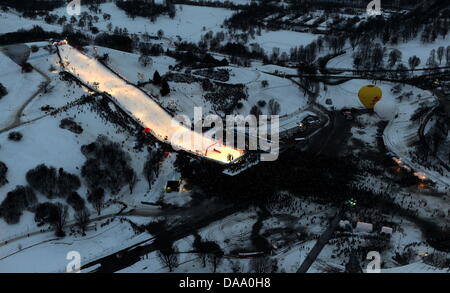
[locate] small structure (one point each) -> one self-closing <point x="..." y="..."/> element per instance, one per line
<point x="344" y="224"/>
<point x="348" y="114"/>
<point x="386" y="231"/>
<point x="173" y="186"/>
<point x="364" y="227"/>
<point x="250" y="254"/>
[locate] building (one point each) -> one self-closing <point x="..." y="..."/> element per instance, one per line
<point x="386" y="230"/>
<point x="173" y="186"/>
<point x="364" y="227"/>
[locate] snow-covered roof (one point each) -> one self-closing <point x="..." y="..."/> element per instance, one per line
<point x="364" y="227"/>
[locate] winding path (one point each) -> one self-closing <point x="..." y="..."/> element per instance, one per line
<point x="18" y="116"/>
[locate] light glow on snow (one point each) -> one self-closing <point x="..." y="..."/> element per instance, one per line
<point x="144" y="108"/>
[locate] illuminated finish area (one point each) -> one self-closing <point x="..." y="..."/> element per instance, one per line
<point x="150" y="115"/>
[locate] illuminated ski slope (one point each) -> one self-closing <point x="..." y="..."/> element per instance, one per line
<point x="141" y="106"/>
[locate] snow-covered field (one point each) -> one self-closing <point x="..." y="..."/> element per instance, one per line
<point x="58" y="93"/>
<point x="45" y="142"/>
<point x="127" y="64"/>
<point x="283" y="39"/>
<point x="189" y="22"/>
<point x="11" y="22"/>
<point x="292" y="229"/>
<point x="20" y="86"/>
<point x="408" y="49"/>
<point x="44" y="253"/>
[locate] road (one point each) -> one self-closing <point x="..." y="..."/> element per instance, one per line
<point x="321" y="242"/>
<point x="426" y="83"/>
<point x="138" y="211"/>
<point x="194" y="220"/>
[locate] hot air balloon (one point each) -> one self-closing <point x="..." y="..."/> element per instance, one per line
<point x="385" y="109"/>
<point x="369" y="95"/>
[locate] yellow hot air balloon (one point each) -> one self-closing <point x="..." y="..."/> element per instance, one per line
<point x="369" y="95"/>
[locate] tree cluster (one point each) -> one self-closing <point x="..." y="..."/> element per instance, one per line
<point x="3" y="91"/>
<point x="52" y="183"/>
<point x="107" y="166"/>
<point x="3" y="171"/>
<point x="16" y="201"/>
<point x="54" y="214"/>
<point x="208" y="251"/>
<point x="147" y="9"/>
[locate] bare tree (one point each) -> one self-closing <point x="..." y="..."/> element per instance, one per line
<point x="215" y="259"/>
<point x="394" y="57"/>
<point x="413" y="62"/>
<point x="160" y="33"/>
<point x="148" y="171"/>
<point x="60" y="219"/>
<point x="255" y="111"/>
<point x="145" y="60"/>
<point x="440" y="54"/>
<point x="262" y="264"/>
<point x="274" y="107"/>
<point x="96" y="198"/>
<point x="131" y="179"/>
<point x="431" y="62"/>
<point x="168" y="257"/>
<point x="82" y="220"/>
<point x="447" y="55"/>
<point x="208" y="251"/>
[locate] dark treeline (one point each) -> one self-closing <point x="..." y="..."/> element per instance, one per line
<point x="31" y="7"/>
<point x="31" y="35"/>
<point x="432" y="18"/>
<point x="189" y="54"/>
<point x="333" y="5"/>
<point x="147" y="9"/>
<point x="115" y="41"/>
<point x="77" y="39"/>
<point x="250" y="17"/>
<point x="211" y="3"/>
<point x="38" y="34"/>
<point x="308" y="175"/>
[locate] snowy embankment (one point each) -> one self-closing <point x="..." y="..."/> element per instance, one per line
<point x="144" y="108"/>
<point x="418" y="267"/>
<point x="402" y="133"/>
